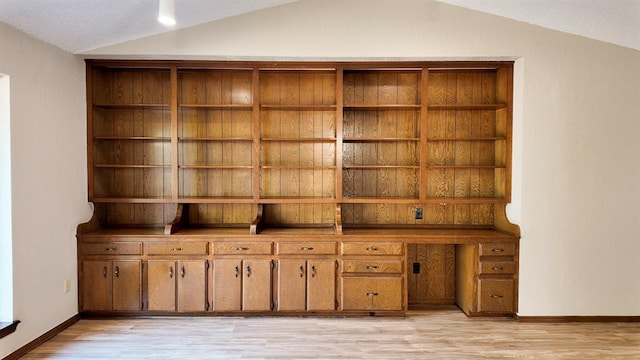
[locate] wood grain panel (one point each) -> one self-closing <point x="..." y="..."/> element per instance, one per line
<point x="127" y="285"/>
<point x="161" y="288"/>
<point x="321" y="285"/>
<point x="192" y="285"/>
<point x="292" y="281"/>
<point x="227" y="285"/>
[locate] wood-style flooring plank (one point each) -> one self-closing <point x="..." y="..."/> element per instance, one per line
<point x="445" y="333"/>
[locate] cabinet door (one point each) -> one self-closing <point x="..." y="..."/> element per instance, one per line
<point x="192" y="285"/>
<point x="162" y="285"/>
<point x="256" y="285"/>
<point x="291" y="285"/>
<point x="127" y="285"/>
<point x="227" y="285"/>
<point x="321" y="285"/>
<point x="372" y="293"/>
<point x="96" y="285"/>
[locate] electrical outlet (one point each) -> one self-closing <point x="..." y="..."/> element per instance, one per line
<point x="67" y="286"/>
<point x="416" y="268"/>
<point x="418" y="213"/>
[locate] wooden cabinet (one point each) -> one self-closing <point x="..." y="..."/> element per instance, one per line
<point x="211" y="161"/>
<point x="242" y="285"/>
<point x="306" y="285"/>
<point x="177" y="285"/>
<point x="111" y="285"/>
<point x="487" y="278"/>
<point x="373" y="276"/>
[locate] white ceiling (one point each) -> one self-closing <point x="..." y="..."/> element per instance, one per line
<point x="80" y="25"/>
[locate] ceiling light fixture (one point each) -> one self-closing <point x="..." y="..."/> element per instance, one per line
<point x="167" y="12"/>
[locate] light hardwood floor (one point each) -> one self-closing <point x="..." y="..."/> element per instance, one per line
<point x="424" y="334"/>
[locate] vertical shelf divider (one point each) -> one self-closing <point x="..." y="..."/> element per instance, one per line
<point x="90" y="140"/>
<point x="174" y="134"/>
<point x="424" y="116"/>
<point x="256" y="134"/>
<point x="339" y="129"/>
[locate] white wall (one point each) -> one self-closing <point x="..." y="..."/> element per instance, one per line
<point x="49" y="180"/>
<point x="6" y="254"/>
<point x="576" y="125"/>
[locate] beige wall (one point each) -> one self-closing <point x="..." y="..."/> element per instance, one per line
<point x="48" y="180"/>
<point x="576" y="126"/>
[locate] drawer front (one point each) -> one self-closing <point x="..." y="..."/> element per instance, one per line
<point x="111" y="248"/>
<point x="497" y="249"/>
<point x="495" y="295"/>
<point x="306" y="248"/>
<point x="372" y="266"/>
<point x="372" y="248"/>
<point x="497" y="267"/>
<point x="372" y="293"/>
<point x="242" y="248"/>
<point x="177" y="248"/>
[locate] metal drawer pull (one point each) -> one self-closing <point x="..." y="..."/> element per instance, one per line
<point x="497" y="268"/>
<point x="248" y="271"/>
<point x="237" y="271"/>
<point x="176" y="249"/>
<point x="372" y="267"/>
<point x="111" y="249"/>
<point x="117" y="272"/>
<point x="496" y="296"/>
<point x="242" y="248"/>
<point x="305" y="248"/>
<point x="313" y="271"/>
<point x="373" y="248"/>
<point x="301" y="271"/>
<point x="171" y="271"/>
<point x="182" y="271"/>
<point x="372" y="294"/>
<point x="497" y="250"/>
<point x="104" y="272"/>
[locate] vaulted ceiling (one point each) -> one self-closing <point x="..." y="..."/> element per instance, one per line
<point x="80" y="25"/>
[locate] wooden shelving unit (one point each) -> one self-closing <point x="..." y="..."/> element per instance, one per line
<point x="240" y="152"/>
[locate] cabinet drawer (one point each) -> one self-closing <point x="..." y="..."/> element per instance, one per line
<point x="497" y="267"/>
<point x="372" y="293"/>
<point x="177" y="248"/>
<point x="111" y="248"/>
<point x="306" y="248"/>
<point x="372" y="248"/>
<point x="497" y="249"/>
<point x="241" y="248"/>
<point x="495" y="295"/>
<point x="372" y="266"/>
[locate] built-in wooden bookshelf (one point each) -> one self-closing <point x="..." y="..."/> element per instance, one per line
<point x="357" y="158"/>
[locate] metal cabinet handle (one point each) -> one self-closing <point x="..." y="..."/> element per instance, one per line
<point x="182" y="271"/>
<point x="117" y="272"/>
<point x="242" y="248"/>
<point x="237" y="271"/>
<point x="176" y="249"/>
<point x="171" y="271"/>
<point x="497" y="268"/>
<point x="111" y="249"/>
<point x="373" y="248"/>
<point x="306" y="248"/>
<point x="372" y="267"/>
<point x="372" y="294"/>
<point x="313" y="271"/>
<point x="496" y="296"/>
<point x="248" y="271"/>
<point x="301" y="271"/>
<point x="104" y="272"/>
<point x="497" y="250"/>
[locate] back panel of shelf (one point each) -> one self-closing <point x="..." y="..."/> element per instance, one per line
<point x="131" y="133"/>
<point x="381" y="105"/>
<point x="215" y="132"/>
<point x="372" y="214"/>
<point x="467" y="134"/>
